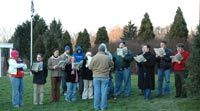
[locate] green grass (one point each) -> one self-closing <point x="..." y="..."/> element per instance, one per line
<point x="135" y="102"/>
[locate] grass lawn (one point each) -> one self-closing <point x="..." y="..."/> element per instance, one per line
<point x="135" y="102"/>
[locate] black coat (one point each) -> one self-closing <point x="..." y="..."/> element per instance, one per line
<point x="70" y="77"/>
<point x="165" y="61"/>
<point x="85" y="72"/>
<point x="148" y="68"/>
<point x="140" y="73"/>
<point x="40" y="76"/>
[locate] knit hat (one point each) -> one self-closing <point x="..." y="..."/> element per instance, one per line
<point x="67" y="47"/>
<point x="14" y="53"/>
<point x="88" y="54"/>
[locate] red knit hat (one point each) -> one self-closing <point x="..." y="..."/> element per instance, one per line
<point x="14" y="53"/>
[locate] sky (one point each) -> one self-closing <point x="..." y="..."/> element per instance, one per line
<point x="75" y="15"/>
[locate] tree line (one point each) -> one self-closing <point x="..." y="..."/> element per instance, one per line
<point x="46" y="38"/>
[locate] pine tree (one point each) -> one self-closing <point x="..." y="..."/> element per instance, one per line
<point x="38" y="47"/>
<point x="65" y="40"/>
<point x="179" y="26"/>
<point x="102" y="36"/>
<point x="56" y="28"/>
<point x="21" y="37"/>
<point x="52" y="43"/>
<point x="193" y="80"/>
<point x="146" y="29"/>
<point x="129" y="31"/>
<point x="83" y="40"/>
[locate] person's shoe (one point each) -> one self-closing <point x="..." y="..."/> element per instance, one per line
<point x="41" y="103"/>
<point x="159" y="95"/>
<point x="35" y="104"/>
<point x="177" y="96"/>
<point x="16" y="106"/>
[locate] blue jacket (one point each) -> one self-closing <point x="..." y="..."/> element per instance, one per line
<point x="79" y="56"/>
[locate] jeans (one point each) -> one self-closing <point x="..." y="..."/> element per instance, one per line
<point x="17" y="91"/>
<point x="80" y="85"/>
<point x="147" y="91"/>
<point x="120" y="76"/>
<point x="100" y="91"/>
<point x="63" y="80"/>
<point x="161" y="75"/>
<point x="110" y="88"/>
<point x="71" y="92"/>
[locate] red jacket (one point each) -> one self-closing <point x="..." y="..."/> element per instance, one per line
<point x="182" y="65"/>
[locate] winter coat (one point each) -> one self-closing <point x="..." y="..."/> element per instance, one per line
<point x="40" y="76"/>
<point x="165" y="61"/>
<point x="148" y="68"/>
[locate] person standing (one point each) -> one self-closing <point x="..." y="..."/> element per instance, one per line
<point x="65" y="56"/>
<point x="148" y="72"/>
<point x="79" y="56"/>
<point x="180" y="70"/>
<point x="16" y="73"/>
<point x="100" y="66"/>
<point x="122" y="70"/>
<point x="39" y="80"/>
<point x="55" y="75"/>
<point x="164" y="69"/>
<point x="140" y="72"/>
<point x="87" y="77"/>
<point x="71" y="80"/>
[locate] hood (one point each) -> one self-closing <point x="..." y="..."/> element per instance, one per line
<point x="79" y="48"/>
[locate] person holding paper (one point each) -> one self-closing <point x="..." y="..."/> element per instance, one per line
<point x="65" y="56"/>
<point x="139" y="70"/>
<point x="180" y="71"/>
<point x="55" y="75"/>
<point x="164" y="69"/>
<point x="71" y="80"/>
<point x="148" y="72"/>
<point x="16" y="73"/>
<point x="122" y="71"/>
<point x="87" y="77"/>
<point x="79" y="56"/>
<point x="39" y="80"/>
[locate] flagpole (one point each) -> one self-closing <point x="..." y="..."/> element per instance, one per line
<point x="31" y="34"/>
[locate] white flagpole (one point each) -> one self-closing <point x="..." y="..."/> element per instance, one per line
<point x="31" y="34"/>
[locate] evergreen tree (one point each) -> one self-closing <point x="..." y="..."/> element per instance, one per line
<point x="193" y="80"/>
<point x="56" y="29"/>
<point x="21" y="36"/>
<point x="146" y="29"/>
<point x="129" y="31"/>
<point x="52" y="43"/>
<point x="38" y="47"/>
<point x="83" y="40"/>
<point x="102" y="36"/>
<point x="179" y="26"/>
<point x="65" y="40"/>
<point x="21" y="39"/>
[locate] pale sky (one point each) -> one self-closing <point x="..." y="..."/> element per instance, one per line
<point x="75" y="15"/>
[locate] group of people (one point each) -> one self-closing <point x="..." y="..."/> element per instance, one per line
<point x="94" y="80"/>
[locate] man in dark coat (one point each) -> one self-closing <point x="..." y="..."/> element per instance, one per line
<point x="148" y="72"/>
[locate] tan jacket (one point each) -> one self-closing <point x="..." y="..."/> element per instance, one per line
<point x="53" y="62"/>
<point x="100" y="65"/>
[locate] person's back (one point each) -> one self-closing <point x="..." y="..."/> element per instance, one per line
<point x="100" y="65"/>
